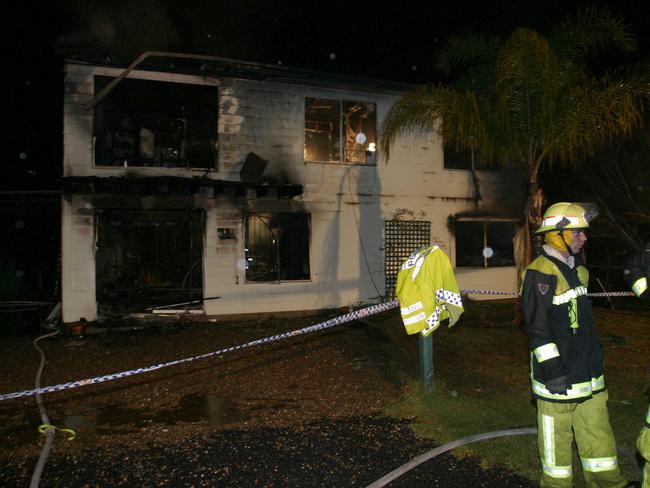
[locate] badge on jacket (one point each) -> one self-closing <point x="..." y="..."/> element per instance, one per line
<point x="543" y="288"/>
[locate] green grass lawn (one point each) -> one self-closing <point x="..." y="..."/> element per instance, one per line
<point x="481" y="381"/>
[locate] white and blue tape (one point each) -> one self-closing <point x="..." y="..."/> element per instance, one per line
<point x="348" y="317"/>
<point x="341" y="319"/>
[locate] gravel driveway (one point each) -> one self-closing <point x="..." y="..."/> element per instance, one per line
<point x="302" y="412"/>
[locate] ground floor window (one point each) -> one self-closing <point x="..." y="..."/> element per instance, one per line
<point x="148" y="258"/>
<point x="484" y="244"/>
<point x="277" y="246"/>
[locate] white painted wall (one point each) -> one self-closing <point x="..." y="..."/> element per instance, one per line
<point x="78" y="262"/>
<point x="348" y="203"/>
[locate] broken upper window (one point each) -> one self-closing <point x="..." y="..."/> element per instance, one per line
<point x="484" y="244"/>
<point x="340" y="131"/>
<point x="465" y="159"/>
<point x="277" y="246"/>
<point x="155" y="123"/>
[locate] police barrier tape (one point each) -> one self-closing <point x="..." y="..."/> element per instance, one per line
<point x="341" y="319"/>
<point x="348" y="317"/>
<point x="515" y="294"/>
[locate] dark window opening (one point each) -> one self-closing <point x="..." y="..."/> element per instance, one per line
<point x="328" y="122"/>
<point x="484" y="244"/>
<point x="322" y="129"/>
<point x="462" y="159"/>
<point x="155" y="123"/>
<point x="277" y="246"/>
<point x="29" y="255"/>
<point x="149" y="258"/>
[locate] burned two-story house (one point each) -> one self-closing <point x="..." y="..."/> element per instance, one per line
<point x="187" y="178"/>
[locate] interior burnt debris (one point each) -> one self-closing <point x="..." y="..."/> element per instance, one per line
<point x="148" y="258"/>
<point x="328" y="121"/>
<point x="150" y="237"/>
<point x="277" y="246"/>
<point x="132" y="127"/>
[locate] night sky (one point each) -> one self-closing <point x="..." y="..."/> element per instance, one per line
<point x="390" y="40"/>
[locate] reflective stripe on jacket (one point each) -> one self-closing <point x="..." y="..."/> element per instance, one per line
<point x="427" y="291"/>
<point x="560" y="328"/>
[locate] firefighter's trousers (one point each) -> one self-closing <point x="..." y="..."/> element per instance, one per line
<point x="643" y="444"/>
<point x="589" y="420"/>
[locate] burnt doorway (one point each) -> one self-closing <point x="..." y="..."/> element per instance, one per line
<point x="148" y="258"/>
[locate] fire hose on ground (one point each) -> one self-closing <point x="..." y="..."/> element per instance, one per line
<point x="359" y="314"/>
<point x="396" y="473"/>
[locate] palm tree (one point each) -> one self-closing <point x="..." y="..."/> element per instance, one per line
<point x="529" y="101"/>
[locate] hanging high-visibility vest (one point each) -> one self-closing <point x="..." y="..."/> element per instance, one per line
<point x="427" y="291"/>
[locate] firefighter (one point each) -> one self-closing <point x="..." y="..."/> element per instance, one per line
<point x="636" y="273"/>
<point x="643" y="444"/>
<point x="566" y="355"/>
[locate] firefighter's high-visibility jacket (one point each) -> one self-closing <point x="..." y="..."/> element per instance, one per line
<point x="560" y="328"/>
<point x="427" y="291"/>
<point x="643" y="444"/>
<point x="636" y="271"/>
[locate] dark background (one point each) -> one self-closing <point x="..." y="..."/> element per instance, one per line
<point x="387" y="40"/>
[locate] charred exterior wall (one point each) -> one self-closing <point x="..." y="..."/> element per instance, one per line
<point x="347" y="203"/>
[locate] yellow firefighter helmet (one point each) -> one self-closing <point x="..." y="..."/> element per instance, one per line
<point x="567" y="216"/>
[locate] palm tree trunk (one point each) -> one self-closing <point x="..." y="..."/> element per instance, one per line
<point x="532" y="217"/>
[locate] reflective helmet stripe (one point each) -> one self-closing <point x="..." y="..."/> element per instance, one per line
<point x="552" y="220"/>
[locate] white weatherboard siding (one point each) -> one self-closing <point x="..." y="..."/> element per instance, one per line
<point x="348" y="203"/>
<point x="78" y="263"/>
<point x="495" y="279"/>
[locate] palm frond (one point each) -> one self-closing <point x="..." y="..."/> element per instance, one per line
<point x="465" y="52"/>
<point x="594" y="31"/>
<point x="527" y="61"/>
<point x="530" y="100"/>
<point x="596" y="113"/>
<point x="452" y="113"/>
